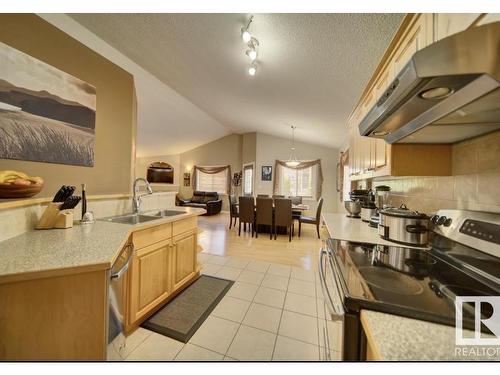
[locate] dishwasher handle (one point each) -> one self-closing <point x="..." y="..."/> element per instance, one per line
<point x="121" y="271"/>
<point x="334" y="311"/>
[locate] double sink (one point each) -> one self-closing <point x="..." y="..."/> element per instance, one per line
<point x="143" y="218"/>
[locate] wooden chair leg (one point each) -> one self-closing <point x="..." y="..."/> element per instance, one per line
<point x="230" y="221"/>
<point x="300" y="227"/>
<point x="257" y="231"/>
<point x="239" y="229"/>
<point x="252" y="225"/>
<point x="317" y="230"/>
<point x="290" y="234"/>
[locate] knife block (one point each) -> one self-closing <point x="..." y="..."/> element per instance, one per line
<point x="53" y="217"/>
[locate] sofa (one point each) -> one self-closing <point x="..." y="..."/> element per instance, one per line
<point x="207" y="200"/>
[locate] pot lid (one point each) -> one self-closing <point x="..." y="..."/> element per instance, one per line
<point x="370" y="205"/>
<point x="382" y="188"/>
<point x="403" y="211"/>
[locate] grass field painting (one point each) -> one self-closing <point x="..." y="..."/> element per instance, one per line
<point x="46" y="115"/>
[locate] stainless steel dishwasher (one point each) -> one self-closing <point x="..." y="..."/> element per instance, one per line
<point x="117" y="300"/>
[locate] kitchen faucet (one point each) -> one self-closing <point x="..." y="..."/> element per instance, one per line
<point x="136" y="200"/>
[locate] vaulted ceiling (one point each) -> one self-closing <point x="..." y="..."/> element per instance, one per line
<point x="312" y="67"/>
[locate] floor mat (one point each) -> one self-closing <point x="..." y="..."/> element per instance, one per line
<point x="182" y="316"/>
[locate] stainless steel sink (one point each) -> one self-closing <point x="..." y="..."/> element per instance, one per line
<point x="165" y="213"/>
<point x="132" y="219"/>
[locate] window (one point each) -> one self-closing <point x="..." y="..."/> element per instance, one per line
<point x="248" y="179"/>
<point x="212" y="182"/>
<point x="297" y="182"/>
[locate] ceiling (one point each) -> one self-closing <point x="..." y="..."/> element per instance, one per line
<point x="312" y="67"/>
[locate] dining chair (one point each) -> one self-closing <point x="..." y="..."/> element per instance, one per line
<point x="278" y="196"/>
<point x="264" y="215"/>
<point x="262" y="195"/>
<point x="295" y="213"/>
<point x="312" y="220"/>
<point x="283" y="216"/>
<point x="233" y="210"/>
<point x="246" y="213"/>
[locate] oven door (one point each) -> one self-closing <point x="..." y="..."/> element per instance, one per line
<point x="331" y="310"/>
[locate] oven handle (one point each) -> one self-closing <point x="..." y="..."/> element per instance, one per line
<point x="336" y="313"/>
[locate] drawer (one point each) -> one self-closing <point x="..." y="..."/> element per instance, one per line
<point x="152" y="235"/>
<point x="185" y="225"/>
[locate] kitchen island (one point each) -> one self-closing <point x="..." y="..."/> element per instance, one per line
<point x="54" y="283"/>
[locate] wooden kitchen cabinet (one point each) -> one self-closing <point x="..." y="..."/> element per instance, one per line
<point x="165" y="262"/>
<point x="184" y="251"/>
<point x="150" y="280"/>
<point x="446" y="24"/>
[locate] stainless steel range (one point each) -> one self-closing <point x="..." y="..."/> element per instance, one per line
<point x="463" y="260"/>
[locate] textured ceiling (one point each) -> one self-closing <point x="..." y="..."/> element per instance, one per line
<point x="312" y="67"/>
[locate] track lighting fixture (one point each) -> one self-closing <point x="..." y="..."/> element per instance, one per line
<point x="252" y="44"/>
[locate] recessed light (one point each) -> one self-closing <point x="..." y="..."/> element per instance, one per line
<point x="252" y="70"/>
<point x="252" y="54"/>
<point x="245" y="35"/>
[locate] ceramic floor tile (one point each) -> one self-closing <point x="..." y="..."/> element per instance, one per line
<point x="192" y="352"/>
<point x="210" y="269"/>
<point x="237" y="263"/>
<point x="330" y="355"/>
<point x="136" y="338"/>
<point x="299" y="327"/>
<point x="301" y="304"/>
<point x="334" y="329"/>
<point x="229" y="359"/>
<point x="243" y="290"/>
<point x="279" y="270"/>
<point x="251" y="277"/>
<point x="258" y="266"/>
<point x="270" y="297"/>
<point x="215" y="334"/>
<point x="228" y="273"/>
<point x="275" y="282"/>
<point x="219" y="260"/>
<point x="231" y="308"/>
<point x="302" y="287"/>
<point x="156" y="348"/>
<point x="203" y="257"/>
<point x="301" y="274"/>
<point x="252" y="344"/>
<point x="263" y="317"/>
<point x="288" y="349"/>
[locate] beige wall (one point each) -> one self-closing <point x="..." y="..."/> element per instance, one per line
<point x="223" y="151"/>
<point x="270" y="148"/>
<point x="475" y="184"/>
<point x="115" y="116"/>
<point x="142" y="164"/>
<point x="249" y="147"/>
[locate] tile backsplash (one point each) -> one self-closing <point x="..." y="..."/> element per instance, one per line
<point x="475" y="184"/>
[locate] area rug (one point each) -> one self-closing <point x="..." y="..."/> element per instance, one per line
<point x="181" y="317"/>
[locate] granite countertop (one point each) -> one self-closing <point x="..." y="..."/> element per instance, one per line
<point x="396" y="338"/>
<point x="341" y="227"/>
<point x="93" y="245"/>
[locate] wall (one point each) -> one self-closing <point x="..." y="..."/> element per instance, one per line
<point x="249" y="147"/>
<point x="270" y="148"/>
<point x="223" y="151"/>
<point x="473" y="186"/>
<point x="142" y="164"/>
<point x="115" y="117"/>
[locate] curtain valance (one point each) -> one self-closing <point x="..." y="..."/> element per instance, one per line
<point x="302" y="165"/>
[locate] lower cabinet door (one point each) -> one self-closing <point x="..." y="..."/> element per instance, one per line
<point x="149" y="278"/>
<point x="185" y="250"/>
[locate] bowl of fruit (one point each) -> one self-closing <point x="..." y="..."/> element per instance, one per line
<point x="15" y="184"/>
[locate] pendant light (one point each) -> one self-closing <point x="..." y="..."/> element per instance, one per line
<point x="292" y="161"/>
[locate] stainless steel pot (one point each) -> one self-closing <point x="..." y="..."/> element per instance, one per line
<point x="353" y="207"/>
<point x="404" y="226"/>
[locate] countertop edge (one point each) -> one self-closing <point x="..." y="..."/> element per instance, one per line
<point x="62" y="271"/>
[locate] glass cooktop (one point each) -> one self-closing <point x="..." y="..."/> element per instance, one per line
<point x="417" y="283"/>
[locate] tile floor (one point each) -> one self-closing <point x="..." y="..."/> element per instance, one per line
<point x="272" y="312"/>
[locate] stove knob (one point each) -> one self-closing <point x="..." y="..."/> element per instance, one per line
<point x="434" y="219"/>
<point x="447" y="222"/>
<point x="441" y="220"/>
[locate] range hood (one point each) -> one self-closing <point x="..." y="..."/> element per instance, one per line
<point x="448" y="92"/>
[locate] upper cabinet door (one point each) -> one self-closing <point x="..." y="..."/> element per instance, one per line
<point x="446" y="24"/>
<point x="419" y="35"/>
